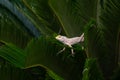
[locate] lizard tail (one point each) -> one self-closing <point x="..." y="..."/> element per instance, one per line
<point x="82" y="37"/>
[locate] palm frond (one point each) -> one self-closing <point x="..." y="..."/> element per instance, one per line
<point x="116" y="76"/>
<point x="26" y="7"/>
<point x="10" y="72"/>
<point x="91" y="70"/>
<point x="44" y="13"/>
<point x="43" y="52"/>
<point x="12" y="54"/>
<point x="72" y="14"/>
<point x="12" y="29"/>
<point x="15" y="11"/>
<point x="103" y="37"/>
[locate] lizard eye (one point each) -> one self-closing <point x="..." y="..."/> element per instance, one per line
<point x="59" y="36"/>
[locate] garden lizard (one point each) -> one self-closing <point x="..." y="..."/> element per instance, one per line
<point x="69" y="41"/>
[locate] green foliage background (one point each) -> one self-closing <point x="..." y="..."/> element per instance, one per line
<point x="28" y="46"/>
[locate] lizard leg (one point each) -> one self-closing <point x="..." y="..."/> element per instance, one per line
<point x="61" y="50"/>
<point x="72" y="51"/>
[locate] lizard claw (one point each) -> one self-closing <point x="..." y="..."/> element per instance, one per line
<point x="72" y="52"/>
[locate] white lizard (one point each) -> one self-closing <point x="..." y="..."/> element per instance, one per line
<point x="69" y="41"/>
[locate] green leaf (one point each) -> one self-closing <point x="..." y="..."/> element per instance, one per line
<point x="9" y="72"/>
<point x="19" y="15"/>
<point x="12" y="54"/>
<point x="73" y="14"/>
<point x="43" y="52"/>
<point x="116" y="74"/>
<point x="91" y="70"/>
<point x="44" y="14"/>
<point x="103" y="38"/>
<point x="29" y="12"/>
<point x="12" y="29"/>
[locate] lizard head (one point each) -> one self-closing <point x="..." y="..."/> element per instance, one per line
<point x="60" y="38"/>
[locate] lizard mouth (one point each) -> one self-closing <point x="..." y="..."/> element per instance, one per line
<point x="57" y="37"/>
